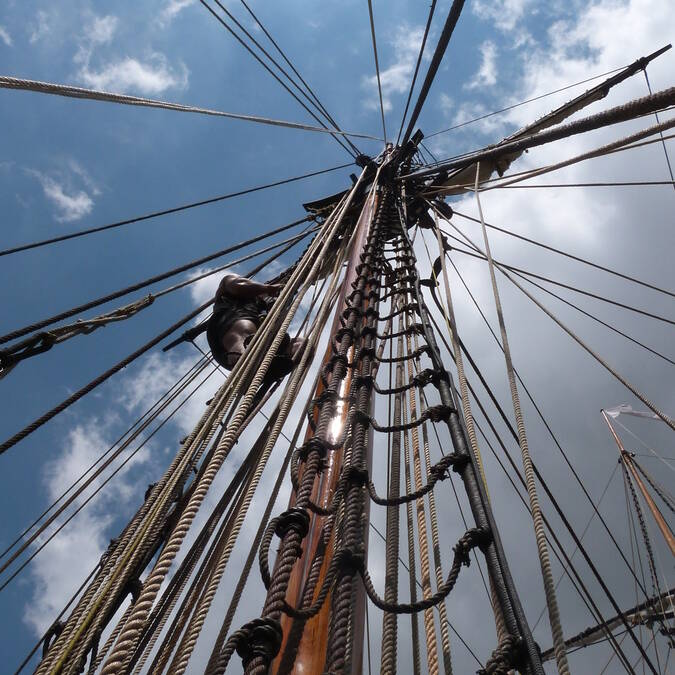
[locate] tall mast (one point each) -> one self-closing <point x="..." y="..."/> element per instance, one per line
<point x="313" y="618"/>
<point x="627" y="460"/>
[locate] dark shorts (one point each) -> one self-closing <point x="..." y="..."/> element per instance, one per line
<point x="220" y="324"/>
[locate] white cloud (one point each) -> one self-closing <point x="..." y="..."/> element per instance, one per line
<point x="71" y="204"/>
<point x="505" y="14"/>
<point x="5" y="36"/>
<point x="172" y="9"/>
<point x="397" y="77"/>
<point x="72" y="554"/>
<point x="153" y="75"/>
<point x="129" y="74"/>
<point x="487" y="72"/>
<point x="41" y="28"/>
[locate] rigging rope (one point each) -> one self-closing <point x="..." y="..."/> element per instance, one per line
<point x="529" y="100"/>
<point x="20" y="332"/>
<point x="41" y="342"/>
<point x="552" y="498"/>
<point x="36" y="424"/>
<point x="418" y="63"/>
<point x="542" y="548"/>
<point x="274" y="62"/>
<point x="175" y="209"/>
<point x="621" y="113"/>
<point x="293" y="68"/>
<point x="439" y="52"/>
<point x="566" y="254"/>
<point x="131" y="633"/>
<point x="7" y="82"/>
<point x="663" y="142"/>
<point x="546" y="425"/>
<point x="377" y="67"/>
<point x="266" y="67"/>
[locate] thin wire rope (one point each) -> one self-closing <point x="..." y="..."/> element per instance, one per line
<point x="597" y="320"/>
<point x="165" y="212"/>
<point x="377" y="67"/>
<point x="519" y="270"/>
<point x="654" y="454"/>
<point x="97" y="381"/>
<point x="87" y="326"/>
<point x="631" y="536"/>
<point x="69" y="91"/>
<point x="99" y="488"/>
<point x="111" y="449"/>
<point x="647" y="542"/>
<point x="569" y="255"/>
<point x="309" y="89"/>
<point x="529" y="100"/>
<point x="564" y="573"/>
<point x="595" y="612"/>
<point x="549" y="429"/>
<point x="663" y="142"/>
<point x="266" y="67"/>
<point x="441" y="47"/>
<point x="619" y="146"/>
<point x="417" y="67"/>
<point x="549" y="587"/>
<point x="632" y="110"/>
<point x="20" y="332"/>
<point x="283" y="71"/>
<point x="584" y="185"/>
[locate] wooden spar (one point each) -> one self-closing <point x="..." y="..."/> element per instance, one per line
<point x="656" y="513"/>
<point x="308" y="641"/>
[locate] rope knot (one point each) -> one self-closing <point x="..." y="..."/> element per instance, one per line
<point x="295" y="520"/>
<point x="504" y="658"/>
<point x="352" y="560"/>
<point x="440" y="470"/>
<point x="314" y="444"/>
<point x="424" y="377"/>
<point x="356" y="475"/>
<point x="438" y="413"/>
<point x="260" y="638"/>
<point x="476" y="536"/>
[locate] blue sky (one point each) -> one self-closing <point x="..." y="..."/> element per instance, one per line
<point x="67" y="165"/>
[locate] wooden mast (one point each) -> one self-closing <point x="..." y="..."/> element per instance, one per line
<point x="656" y="513"/>
<point x="308" y="641"/>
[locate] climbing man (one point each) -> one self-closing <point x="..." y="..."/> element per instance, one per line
<point x="240" y="306"/>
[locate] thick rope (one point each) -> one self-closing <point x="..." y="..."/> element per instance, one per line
<point x="412" y="562"/>
<point x="433" y="518"/>
<point x="429" y="626"/>
<point x="451" y="323"/>
<point x="540" y="533"/>
<point x="129" y="636"/>
<point x="97" y="95"/>
<point x="389" y="619"/>
<point x="196" y="624"/>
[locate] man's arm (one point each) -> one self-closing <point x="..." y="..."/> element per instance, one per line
<point x="246" y="289"/>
